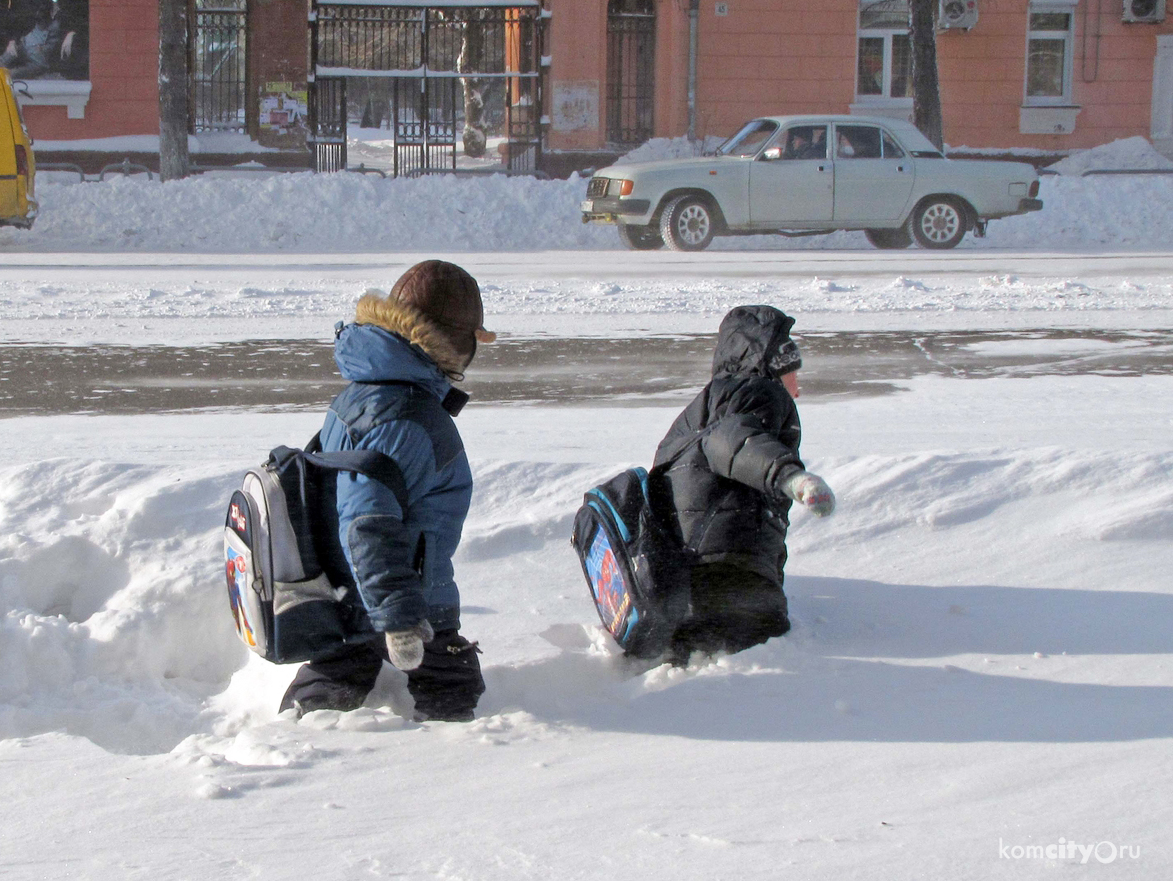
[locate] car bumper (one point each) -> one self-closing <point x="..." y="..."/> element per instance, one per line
<point x="1024" y="206"/>
<point x="23" y="221"/>
<point x="610" y="209"/>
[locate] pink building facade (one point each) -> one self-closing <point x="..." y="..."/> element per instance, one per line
<point x="116" y="93"/>
<point x="1046" y="75"/>
<point x="120" y="96"/>
<point x="1049" y="75"/>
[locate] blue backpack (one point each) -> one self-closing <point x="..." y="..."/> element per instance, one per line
<point x="636" y="570"/>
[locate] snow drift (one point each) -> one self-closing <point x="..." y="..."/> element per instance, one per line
<point x="306" y="212"/>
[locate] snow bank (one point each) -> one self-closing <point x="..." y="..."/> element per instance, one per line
<point x="109" y="630"/>
<point x="309" y="212"/>
<point x="1126" y="153"/>
<point x="671" y="148"/>
<point x="118" y="629"/>
<point x="304" y="212"/>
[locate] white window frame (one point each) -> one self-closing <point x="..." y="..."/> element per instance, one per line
<point x="73" y="95"/>
<point x="1066" y="7"/>
<point x="886" y="34"/>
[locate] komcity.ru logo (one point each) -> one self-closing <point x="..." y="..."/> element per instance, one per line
<point x="1102" y="852"/>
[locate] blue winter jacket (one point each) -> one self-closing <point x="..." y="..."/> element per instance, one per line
<point x="400" y="557"/>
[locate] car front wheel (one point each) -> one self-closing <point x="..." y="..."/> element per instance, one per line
<point x="640" y="238"/>
<point x="889" y="238"/>
<point x="687" y="224"/>
<point x="938" y="222"/>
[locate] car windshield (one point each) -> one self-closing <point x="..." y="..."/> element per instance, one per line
<point x="750" y="139"/>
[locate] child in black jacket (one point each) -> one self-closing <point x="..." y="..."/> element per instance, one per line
<point x="731" y="486"/>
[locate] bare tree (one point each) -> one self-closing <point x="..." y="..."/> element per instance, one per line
<point x="926" y="88"/>
<point x="472" y="60"/>
<point x="174" y="161"/>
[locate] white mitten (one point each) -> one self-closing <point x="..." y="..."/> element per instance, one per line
<point x="810" y="490"/>
<point x="406" y="647"/>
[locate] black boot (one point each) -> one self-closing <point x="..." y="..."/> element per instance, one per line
<point x="340" y="683"/>
<point x="448" y="682"/>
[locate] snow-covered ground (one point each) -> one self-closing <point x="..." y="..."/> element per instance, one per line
<point x="978" y="684"/>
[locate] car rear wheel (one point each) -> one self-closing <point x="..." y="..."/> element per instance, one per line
<point x="687" y="224"/>
<point x="938" y="222"/>
<point x="640" y="238"/>
<point x="889" y="238"/>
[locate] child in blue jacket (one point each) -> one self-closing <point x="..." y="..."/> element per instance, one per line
<point x="401" y="356"/>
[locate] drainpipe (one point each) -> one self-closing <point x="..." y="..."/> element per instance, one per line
<point x="1093" y="74"/>
<point x="693" y="14"/>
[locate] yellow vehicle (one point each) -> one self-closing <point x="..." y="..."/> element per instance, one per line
<point x="18" y="167"/>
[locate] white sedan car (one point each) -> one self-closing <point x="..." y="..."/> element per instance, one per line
<point x="809" y="175"/>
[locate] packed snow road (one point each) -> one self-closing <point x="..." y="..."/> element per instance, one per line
<point x="181" y="299"/>
<point x="601" y="264"/>
<point x="140" y="333"/>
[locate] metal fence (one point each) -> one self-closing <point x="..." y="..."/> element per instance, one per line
<point x="218" y="65"/>
<point x="327" y="119"/>
<point x="406" y="40"/>
<point x="443" y="61"/>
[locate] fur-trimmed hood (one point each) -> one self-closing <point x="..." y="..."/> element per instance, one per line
<point x="411" y="324"/>
<point x="372" y="353"/>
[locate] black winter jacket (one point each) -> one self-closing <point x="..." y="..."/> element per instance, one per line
<point x="740" y="439"/>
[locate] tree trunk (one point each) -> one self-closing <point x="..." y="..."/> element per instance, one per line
<point x="926" y="88"/>
<point x="472" y="58"/>
<point x="174" y="161"/>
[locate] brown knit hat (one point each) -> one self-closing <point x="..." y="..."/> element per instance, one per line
<point x="448" y="297"/>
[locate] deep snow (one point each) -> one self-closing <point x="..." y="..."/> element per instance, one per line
<point x="977" y="686"/>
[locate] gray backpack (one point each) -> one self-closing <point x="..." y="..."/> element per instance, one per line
<point x="284" y="605"/>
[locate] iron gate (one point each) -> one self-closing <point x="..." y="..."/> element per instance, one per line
<point x="327" y="123"/>
<point x="441" y="60"/>
<point x="218" y="65"/>
<point x="423" y="117"/>
<point x="631" y="72"/>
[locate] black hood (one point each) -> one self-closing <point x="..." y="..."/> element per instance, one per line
<point x="749" y="337"/>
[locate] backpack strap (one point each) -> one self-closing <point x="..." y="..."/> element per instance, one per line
<point x="370" y="463"/>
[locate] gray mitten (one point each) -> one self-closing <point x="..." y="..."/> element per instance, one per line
<point x="810" y="490"/>
<point x="406" y="647"/>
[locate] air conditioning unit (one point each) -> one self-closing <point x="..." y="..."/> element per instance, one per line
<point x="1144" y="10"/>
<point x="959" y="14"/>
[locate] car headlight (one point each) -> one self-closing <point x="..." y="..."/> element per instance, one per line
<point x="597" y="188"/>
<point x="625" y="187"/>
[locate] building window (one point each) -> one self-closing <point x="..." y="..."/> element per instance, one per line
<point x="884" y="66"/>
<point x="1049" y="35"/>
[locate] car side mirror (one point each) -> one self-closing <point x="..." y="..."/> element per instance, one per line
<point x="772" y="154"/>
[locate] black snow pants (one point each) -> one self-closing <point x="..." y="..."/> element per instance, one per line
<point x="731" y="609"/>
<point x="445" y="686"/>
